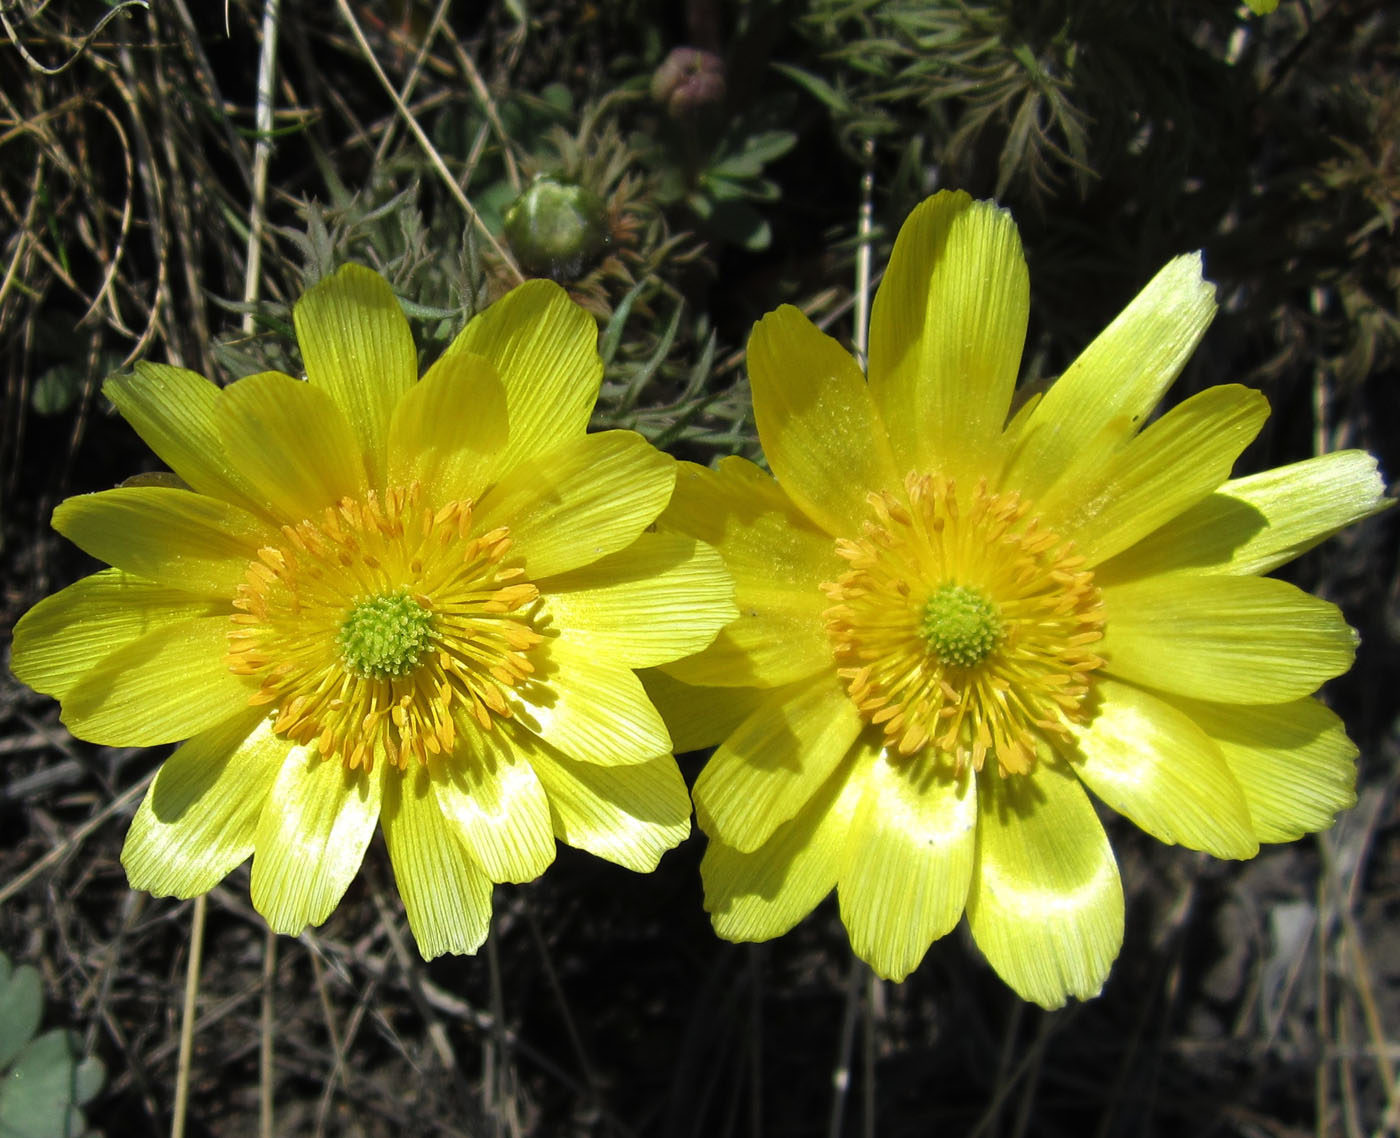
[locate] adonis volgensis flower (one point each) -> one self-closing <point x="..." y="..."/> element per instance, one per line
<point x="957" y="622"/>
<point x="368" y="600"/>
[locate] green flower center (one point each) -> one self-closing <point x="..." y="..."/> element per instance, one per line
<point x="961" y="626"/>
<point x="385" y="636"/>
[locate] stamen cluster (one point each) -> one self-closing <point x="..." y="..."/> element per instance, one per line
<point x="962" y="625"/>
<point x="373" y="627"/>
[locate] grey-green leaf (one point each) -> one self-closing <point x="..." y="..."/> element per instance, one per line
<point x="21" y="1005"/>
<point x="37" y="1095"/>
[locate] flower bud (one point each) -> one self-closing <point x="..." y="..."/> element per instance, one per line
<point x="689" y="82"/>
<point x="557" y="229"/>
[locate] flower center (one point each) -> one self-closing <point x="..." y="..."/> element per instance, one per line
<point x="377" y="629"/>
<point x="384" y="636"/>
<point x="962" y="625"/>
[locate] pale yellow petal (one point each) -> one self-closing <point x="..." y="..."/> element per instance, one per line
<point x="699" y="717"/>
<point x="170" y="684"/>
<point x="1294" y="762"/>
<point x="445" y="893"/>
<point x="946" y="333"/>
<point x="1149" y="761"/>
<point x="1118" y="379"/>
<point x="489" y="792"/>
<point x="64" y="636"/>
<point x="763" y="647"/>
<point x="663" y="597"/>
<point x="591" y="497"/>
<point x="198" y="821"/>
<point x="592" y="709"/>
<point x="545" y="348"/>
<point x="173" y="411"/>
<point x="311" y="838"/>
<point x="627" y="815"/>
<point x="760" y="895"/>
<point x="292" y="444"/>
<point x="818" y="426"/>
<point x="1169" y="467"/>
<point x="1046" y="904"/>
<point x="1229" y="639"/>
<point x="770" y="767"/>
<point x="448" y="431"/>
<point x="1253" y="524"/>
<point x="175" y="537"/>
<point x="777" y="557"/>
<point x="357" y="347"/>
<point x="908" y="863"/>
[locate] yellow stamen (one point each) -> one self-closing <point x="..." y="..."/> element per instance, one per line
<point x="963" y="625"/>
<point x="370" y="629"/>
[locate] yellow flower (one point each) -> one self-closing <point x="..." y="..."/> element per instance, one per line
<point x="366" y="599"/>
<point x="955" y="619"/>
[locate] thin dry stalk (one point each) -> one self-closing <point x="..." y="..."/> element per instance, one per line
<point x="262" y="154"/>
<point x="425" y="143"/>
<point x="187" y="1019"/>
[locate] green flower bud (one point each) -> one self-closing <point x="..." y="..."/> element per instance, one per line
<point x="557" y="229"/>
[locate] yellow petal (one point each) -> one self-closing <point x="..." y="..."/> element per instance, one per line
<point x="777" y="558"/>
<point x="1173" y="464"/>
<point x="590" y="708"/>
<point x="1046" y="904"/>
<point x="545" y="348"/>
<point x="177" y="538"/>
<point x="63" y="636"/>
<point x="292" y="444"/>
<point x="168" y="685"/>
<point x="768" y="769"/>
<point x="1119" y="378"/>
<point x="591" y="497"/>
<point x="198" y="820"/>
<point x="445" y="894"/>
<point x="448" y="430"/>
<point x="1293" y="760"/>
<point x="357" y="348"/>
<point x="908" y="862"/>
<point x="1252" y="525"/>
<point x="663" y="597"/>
<point x="173" y="411"/>
<point x="1229" y="639"/>
<point x="491" y="795"/>
<point x="1150" y="762"/>
<point x="760" y="895"/>
<point x="819" y="429"/>
<point x="311" y="839"/>
<point x="698" y="717"/>
<point x="763" y="647"/>
<point x="627" y="815"/>
<point x="946" y="333"/>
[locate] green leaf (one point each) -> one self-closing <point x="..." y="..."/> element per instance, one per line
<point x="56" y="390"/>
<point x="37" y="1096"/>
<point x="740" y="224"/>
<point x="88" y="1077"/>
<point x="756" y="152"/>
<point x="21" y="1005"/>
<point x="558" y="96"/>
<point x="817" y="87"/>
<point x="612" y="335"/>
